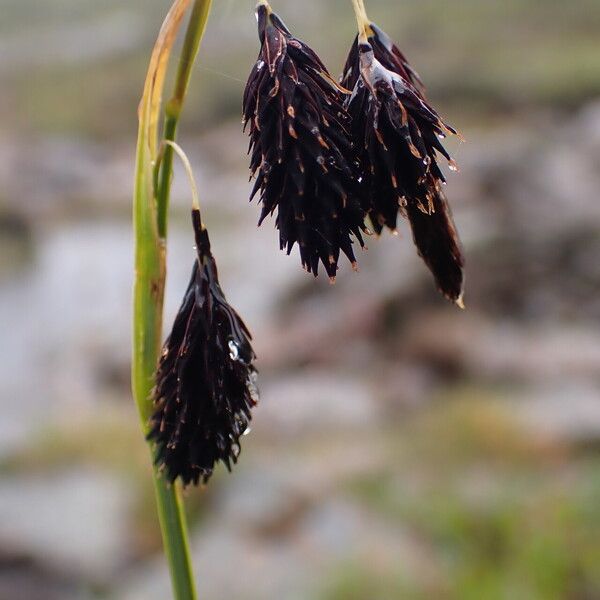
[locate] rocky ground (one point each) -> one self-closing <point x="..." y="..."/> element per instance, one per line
<point x="396" y="437"/>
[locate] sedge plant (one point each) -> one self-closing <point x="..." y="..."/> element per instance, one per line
<point x="334" y="161"/>
<point x="150" y="208"/>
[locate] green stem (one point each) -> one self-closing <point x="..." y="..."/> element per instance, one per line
<point x="147" y="333"/>
<point x="193" y="37"/>
<point x="173" y="526"/>
<point x="150" y="228"/>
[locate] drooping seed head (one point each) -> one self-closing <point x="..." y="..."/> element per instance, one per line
<point x="305" y="166"/>
<point x="206" y="382"/>
<point x="398" y="135"/>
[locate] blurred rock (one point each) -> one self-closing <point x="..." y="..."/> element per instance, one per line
<point x="569" y="411"/>
<point x="23" y="578"/>
<point x="334" y="533"/>
<point x="76" y="521"/>
<point x="313" y="401"/>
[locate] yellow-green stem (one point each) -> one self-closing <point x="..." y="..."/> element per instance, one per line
<point x="150" y="228"/>
<point x="362" y="19"/>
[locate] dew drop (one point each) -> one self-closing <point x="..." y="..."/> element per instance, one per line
<point x="234" y="351"/>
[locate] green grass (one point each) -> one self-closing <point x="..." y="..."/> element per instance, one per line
<point x="502" y="514"/>
<point x="358" y="582"/>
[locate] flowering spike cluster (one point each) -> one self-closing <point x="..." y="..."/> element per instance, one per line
<point x="398" y="136"/>
<point x="206" y="381"/>
<point x="301" y="151"/>
<point x="326" y="156"/>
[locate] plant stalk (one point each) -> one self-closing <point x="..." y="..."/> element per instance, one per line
<point x="362" y="20"/>
<point x="173" y="108"/>
<point x="151" y="200"/>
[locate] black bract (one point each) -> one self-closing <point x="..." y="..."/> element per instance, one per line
<point x="398" y="138"/>
<point x="206" y="382"/>
<point x="301" y="153"/>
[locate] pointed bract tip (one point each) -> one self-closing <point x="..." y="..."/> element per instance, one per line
<point x="453" y="166"/>
<point x="460" y="302"/>
<point x="332" y="280"/>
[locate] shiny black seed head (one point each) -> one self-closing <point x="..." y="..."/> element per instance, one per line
<point x="206" y="382"/>
<point x="301" y="154"/>
<point x="398" y="135"/>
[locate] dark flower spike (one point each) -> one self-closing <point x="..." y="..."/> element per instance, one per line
<point x="206" y="381"/>
<point x="301" y="153"/>
<point x="398" y="134"/>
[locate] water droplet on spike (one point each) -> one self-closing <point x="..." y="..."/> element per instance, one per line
<point x="234" y="351"/>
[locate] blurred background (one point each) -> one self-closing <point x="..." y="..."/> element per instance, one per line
<point x="402" y="448"/>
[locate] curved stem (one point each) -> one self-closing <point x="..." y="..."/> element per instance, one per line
<point x="362" y="19"/>
<point x="188" y="169"/>
<point x="191" y="44"/>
